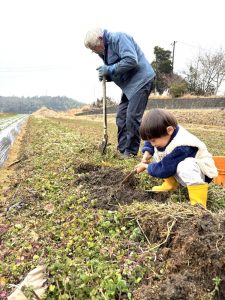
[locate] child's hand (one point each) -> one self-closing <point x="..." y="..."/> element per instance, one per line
<point x="146" y="157"/>
<point x="141" y="167"/>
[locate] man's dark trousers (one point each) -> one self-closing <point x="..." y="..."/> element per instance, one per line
<point x="128" y="120"/>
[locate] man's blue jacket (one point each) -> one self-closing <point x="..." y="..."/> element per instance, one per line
<point x="129" y="68"/>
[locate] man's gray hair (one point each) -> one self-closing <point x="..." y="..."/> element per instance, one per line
<point x="92" y="37"/>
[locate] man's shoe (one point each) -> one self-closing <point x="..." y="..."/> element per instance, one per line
<point x="118" y="154"/>
<point x="126" y="156"/>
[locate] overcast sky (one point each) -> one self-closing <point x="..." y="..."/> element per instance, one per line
<point x="42" y="41"/>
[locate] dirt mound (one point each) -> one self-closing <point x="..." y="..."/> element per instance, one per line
<point x="105" y="188"/>
<point x="190" y="265"/>
<point x="45" y="112"/>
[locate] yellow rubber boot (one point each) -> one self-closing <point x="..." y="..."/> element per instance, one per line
<point x="198" y="194"/>
<point x="169" y="184"/>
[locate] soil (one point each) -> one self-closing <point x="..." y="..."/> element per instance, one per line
<point x="104" y="185"/>
<point x="191" y="261"/>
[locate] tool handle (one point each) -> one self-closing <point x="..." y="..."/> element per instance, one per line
<point x="104" y="106"/>
<point x="129" y="175"/>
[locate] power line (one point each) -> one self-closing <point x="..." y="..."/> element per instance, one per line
<point x="173" y="51"/>
<point x="187" y="44"/>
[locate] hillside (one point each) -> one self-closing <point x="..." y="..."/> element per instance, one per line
<point x="30" y="104"/>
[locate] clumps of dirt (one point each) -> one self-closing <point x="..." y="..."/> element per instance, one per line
<point x="105" y="189"/>
<point x="190" y="263"/>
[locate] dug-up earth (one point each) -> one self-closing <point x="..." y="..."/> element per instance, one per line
<point x="106" y="187"/>
<point x="192" y="259"/>
<point x="190" y="262"/>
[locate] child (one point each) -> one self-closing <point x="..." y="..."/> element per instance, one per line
<point x="178" y="156"/>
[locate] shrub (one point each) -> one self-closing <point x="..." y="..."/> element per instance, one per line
<point x="178" y="88"/>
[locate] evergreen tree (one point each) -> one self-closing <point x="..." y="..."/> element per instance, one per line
<point x="163" y="68"/>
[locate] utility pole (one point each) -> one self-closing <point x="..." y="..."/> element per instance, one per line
<point x="173" y="44"/>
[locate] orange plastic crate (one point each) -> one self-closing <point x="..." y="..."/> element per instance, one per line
<point x="220" y="164"/>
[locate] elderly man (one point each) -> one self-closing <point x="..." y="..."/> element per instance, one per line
<point x="126" y="65"/>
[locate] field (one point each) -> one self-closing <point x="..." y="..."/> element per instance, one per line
<point x="62" y="205"/>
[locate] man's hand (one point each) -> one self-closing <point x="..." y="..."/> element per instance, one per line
<point x="104" y="71"/>
<point x="141" y="167"/>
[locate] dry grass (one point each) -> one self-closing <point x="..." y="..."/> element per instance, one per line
<point x="185" y="96"/>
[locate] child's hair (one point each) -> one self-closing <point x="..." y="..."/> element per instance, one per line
<point x="154" y="124"/>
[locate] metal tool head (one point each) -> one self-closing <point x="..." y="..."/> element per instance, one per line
<point x="128" y="176"/>
<point x="103" y="145"/>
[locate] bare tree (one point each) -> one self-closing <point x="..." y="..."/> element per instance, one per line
<point x="206" y="73"/>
